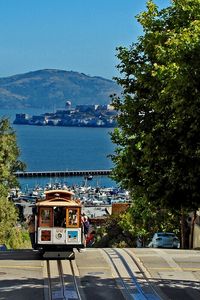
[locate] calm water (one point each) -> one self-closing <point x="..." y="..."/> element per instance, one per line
<point x="62" y="148"/>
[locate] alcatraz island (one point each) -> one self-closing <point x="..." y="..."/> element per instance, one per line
<point x="80" y="116"/>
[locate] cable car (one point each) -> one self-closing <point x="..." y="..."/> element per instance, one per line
<point x="58" y="225"/>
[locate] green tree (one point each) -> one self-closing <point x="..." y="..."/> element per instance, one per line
<point x="9" y="163"/>
<point x="142" y="219"/>
<point x="9" y="153"/>
<point x="158" y="139"/>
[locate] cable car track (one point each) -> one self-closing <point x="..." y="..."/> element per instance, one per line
<point x="74" y="279"/>
<point x="61" y="280"/>
<point x="130" y="277"/>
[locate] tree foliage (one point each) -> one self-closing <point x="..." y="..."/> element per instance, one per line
<point x="114" y="233"/>
<point x="142" y="219"/>
<point x="9" y="163"/>
<point x="9" y="153"/>
<point x="136" y="224"/>
<point x="158" y="139"/>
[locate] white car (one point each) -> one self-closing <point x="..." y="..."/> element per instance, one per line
<point x="164" y="240"/>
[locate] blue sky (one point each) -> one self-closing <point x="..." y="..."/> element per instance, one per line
<point x="77" y="35"/>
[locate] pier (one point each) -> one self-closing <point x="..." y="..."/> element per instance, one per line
<point x="66" y="173"/>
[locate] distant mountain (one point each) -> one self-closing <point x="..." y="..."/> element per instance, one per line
<point x="51" y="88"/>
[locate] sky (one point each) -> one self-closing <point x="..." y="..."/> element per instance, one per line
<point x="71" y="35"/>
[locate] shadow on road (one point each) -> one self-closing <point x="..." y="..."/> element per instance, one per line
<point x="22" y="254"/>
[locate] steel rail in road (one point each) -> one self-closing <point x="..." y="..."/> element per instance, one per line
<point x="66" y="173"/>
<point x="74" y="279"/>
<point x="130" y="276"/>
<point x="61" y="284"/>
<point x="151" y="287"/>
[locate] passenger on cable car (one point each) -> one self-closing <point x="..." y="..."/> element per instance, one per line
<point x="86" y="226"/>
<point x="73" y="217"/>
<point x="90" y="238"/>
<point x="59" y="217"/>
<point x="31" y="229"/>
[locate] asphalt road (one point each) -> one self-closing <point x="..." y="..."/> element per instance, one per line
<point x="175" y="274"/>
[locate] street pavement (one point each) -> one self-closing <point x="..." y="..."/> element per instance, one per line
<point x="174" y="273"/>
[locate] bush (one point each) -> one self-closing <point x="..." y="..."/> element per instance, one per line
<point x="112" y="234"/>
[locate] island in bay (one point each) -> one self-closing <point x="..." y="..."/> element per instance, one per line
<point x="81" y="116"/>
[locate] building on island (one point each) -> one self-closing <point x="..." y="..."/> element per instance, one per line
<point x="81" y="116"/>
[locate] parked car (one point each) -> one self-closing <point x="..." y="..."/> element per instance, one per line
<point x="164" y="240"/>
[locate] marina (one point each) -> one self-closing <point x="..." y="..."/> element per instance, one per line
<point x="96" y="201"/>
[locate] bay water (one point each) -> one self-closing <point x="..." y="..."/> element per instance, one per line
<point x="54" y="148"/>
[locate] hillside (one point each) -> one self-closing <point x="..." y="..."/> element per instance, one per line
<point x="51" y="88"/>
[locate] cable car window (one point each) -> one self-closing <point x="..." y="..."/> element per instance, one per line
<point x="59" y="216"/>
<point x="45" y="217"/>
<point x="73" y="217"/>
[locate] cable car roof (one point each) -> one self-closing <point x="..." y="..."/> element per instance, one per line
<point x="59" y="192"/>
<point x="59" y="202"/>
<point x="59" y="198"/>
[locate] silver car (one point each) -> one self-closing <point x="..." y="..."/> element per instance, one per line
<point x="164" y="240"/>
